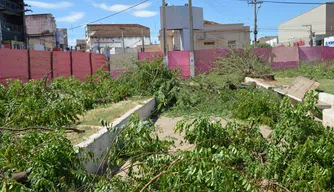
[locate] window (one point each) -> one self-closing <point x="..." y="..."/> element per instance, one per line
<point x="232" y="44"/>
<point x="209" y="43"/>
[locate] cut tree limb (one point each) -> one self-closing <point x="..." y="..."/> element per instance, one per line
<point x="163" y="172"/>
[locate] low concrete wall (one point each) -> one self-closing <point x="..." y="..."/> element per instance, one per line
<point x="99" y="143"/>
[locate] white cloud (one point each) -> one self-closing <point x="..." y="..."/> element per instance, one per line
<point x="73" y="17"/>
<point x="112" y="8"/>
<point x="144" y="13"/>
<point x="39" y="4"/>
<point x="120" y="7"/>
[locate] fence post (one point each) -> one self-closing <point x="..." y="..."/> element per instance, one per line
<point x="90" y="63"/>
<point x="298" y="55"/>
<point x="51" y="65"/>
<point x="29" y="71"/>
<point x="109" y="67"/>
<point x="71" y="63"/>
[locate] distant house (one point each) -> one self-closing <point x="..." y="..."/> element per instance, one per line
<point x="80" y="45"/>
<point x="207" y="34"/>
<point x="213" y="35"/>
<point x="117" y="38"/>
<point x="42" y="30"/>
<point x="270" y="40"/>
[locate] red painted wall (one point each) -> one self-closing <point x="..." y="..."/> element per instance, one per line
<point x="13" y="64"/>
<point x="40" y="64"/>
<point x="179" y="60"/>
<point x="81" y="65"/>
<point x="61" y="64"/>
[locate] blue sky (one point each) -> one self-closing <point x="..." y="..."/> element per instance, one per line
<point x="78" y="12"/>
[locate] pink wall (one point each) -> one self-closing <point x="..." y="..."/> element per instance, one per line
<point x="149" y="55"/>
<point x="61" y="64"/>
<point x="97" y="60"/>
<point x="13" y="64"/>
<point x="81" y="65"/>
<point x="179" y="60"/>
<point x="313" y="54"/>
<point x="40" y="64"/>
<point x="204" y="60"/>
<point x="328" y="53"/>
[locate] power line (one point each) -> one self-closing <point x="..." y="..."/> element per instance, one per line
<point x="238" y="17"/>
<point x="216" y="6"/>
<point x="131" y="7"/>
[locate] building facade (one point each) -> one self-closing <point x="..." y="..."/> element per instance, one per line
<point x="212" y="36"/>
<point x="41" y="30"/>
<point x="116" y="38"/>
<point x="297" y="30"/>
<point x="61" y="38"/>
<point x="12" y="30"/>
<point x="80" y="45"/>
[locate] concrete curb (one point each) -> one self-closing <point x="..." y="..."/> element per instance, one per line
<point x="99" y="142"/>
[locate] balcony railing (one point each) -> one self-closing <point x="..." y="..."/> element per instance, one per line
<point x="10" y="6"/>
<point x="11" y="27"/>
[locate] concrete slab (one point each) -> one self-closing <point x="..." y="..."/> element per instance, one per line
<point x="328" y="117"/>
<point x="298" y="88"/>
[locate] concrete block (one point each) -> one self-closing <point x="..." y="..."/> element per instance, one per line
<point x="327" y="98"/>
<point x="99" y="142"/>
<point x="328" y="117"/>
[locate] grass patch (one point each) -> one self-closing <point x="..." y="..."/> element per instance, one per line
<point x="91" y="121"/>
<point x="77" y="138"/>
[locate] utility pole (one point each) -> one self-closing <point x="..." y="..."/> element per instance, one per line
<point x="191" y="30"/>
<point x="98" y="44"/>
<point x="142" y="41"/>
<point x="164" y="32"/>
<point x="123" y="44"/>
<point x="255" y="3"/>
<point x="311" y="34"/>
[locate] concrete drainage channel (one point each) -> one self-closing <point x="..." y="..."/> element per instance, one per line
<point x="99" y="142"/>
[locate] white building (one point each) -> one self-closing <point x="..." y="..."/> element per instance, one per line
<point x="117" y="38"/>
<point x="320" y="20"/>
<point x="207" y="34"/>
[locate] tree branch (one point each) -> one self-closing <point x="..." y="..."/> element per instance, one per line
<point x="157" y="176"/>
<point x="39" y="128"/>
<point x="281" y="186"/>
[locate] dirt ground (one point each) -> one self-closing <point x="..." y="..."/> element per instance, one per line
<point x="166" y="128"/>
